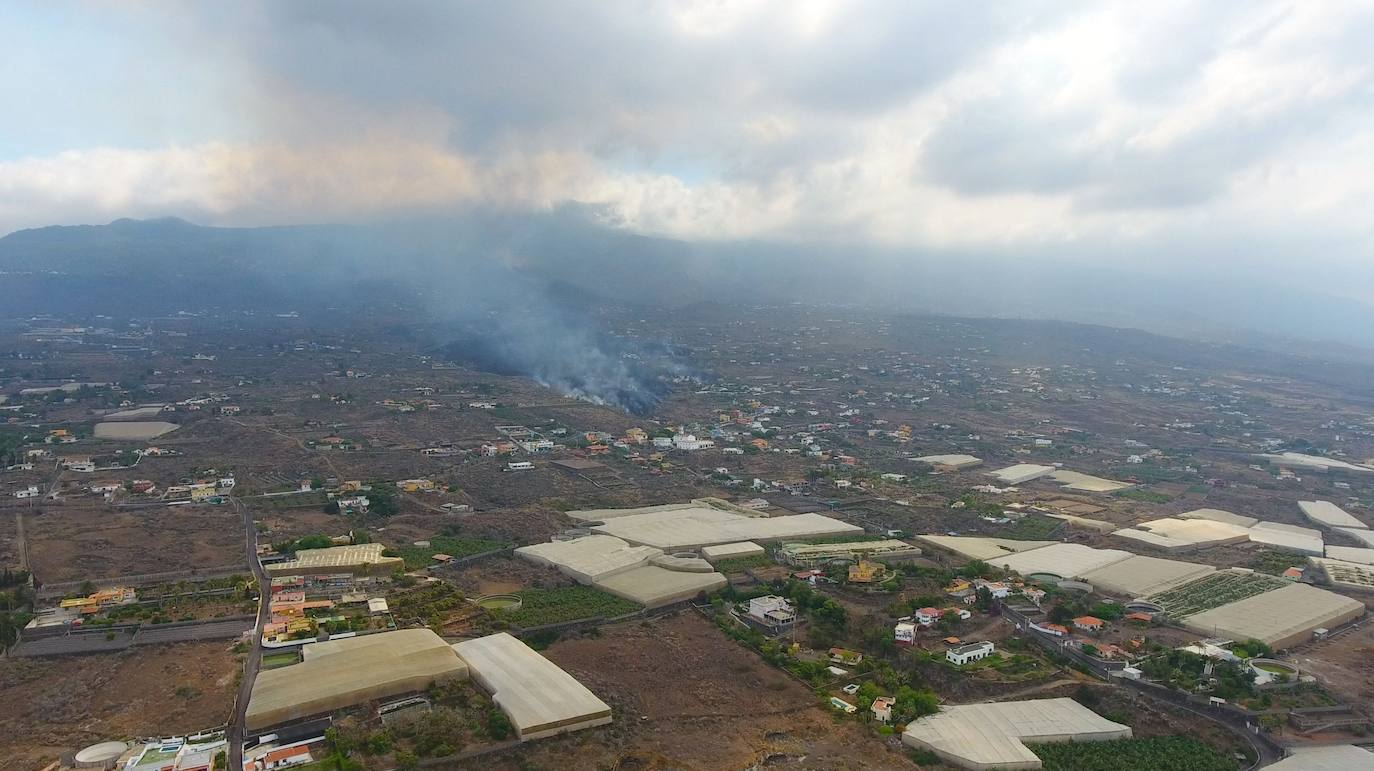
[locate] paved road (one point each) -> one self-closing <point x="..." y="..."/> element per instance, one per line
<point x="237" y="724"/>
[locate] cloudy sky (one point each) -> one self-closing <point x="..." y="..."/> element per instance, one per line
<point x="1232" y="135"/>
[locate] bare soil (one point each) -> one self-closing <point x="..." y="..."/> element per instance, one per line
<point x="685" y="697"/>
<point x="57" y="704"/>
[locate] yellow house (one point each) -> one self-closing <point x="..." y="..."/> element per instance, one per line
<point x="415" y="485"/>
<point x="865" y="572"/>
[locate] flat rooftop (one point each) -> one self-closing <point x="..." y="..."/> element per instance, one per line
<point x="355" y="558"/>
<point x="698" y="525"/>
<point x="590" y="557"/>
<point x="978" y="548"/>
<point x="994" y="736"/>
<point x="1329" y="514"/>
<point x="341" y="673"/>
<point x="1022" y="472"/>
<point x="537" y="695"/>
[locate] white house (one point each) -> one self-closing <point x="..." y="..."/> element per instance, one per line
<point x="358" y="503"/>
<point x="963" y="654"/>
<point x="520" y="465"/>
<point x="31" y="491"/>
<point x="690" y="442"/>
<point x="882" y="709"/>
<point x="226" y="483"/>
<point x="772" y="610"/>
<point x="905" y="633"/>
<point x="999" y="590"/>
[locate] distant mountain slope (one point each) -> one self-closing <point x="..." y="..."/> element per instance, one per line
<point x="145" y="266"/>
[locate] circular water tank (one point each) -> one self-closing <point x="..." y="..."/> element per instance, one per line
<point x="103" y="755"/>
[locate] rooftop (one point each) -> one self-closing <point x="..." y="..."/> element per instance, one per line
<point x="994" y="736"/>
<point x="539" y="697"/>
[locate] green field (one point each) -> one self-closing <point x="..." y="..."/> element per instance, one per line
<point x="1031" y="528"/>
<point x="567" y="603"/>
<point x="741" y="564"/>
<point x="1214" y="591"/>
<point x="417" y="557"/>
<point x="276" y="660"/>
<point x="1156" y="753"/>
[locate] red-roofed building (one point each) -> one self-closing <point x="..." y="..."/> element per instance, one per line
<point x="1089" y="624"/>
<point x="287" y="756"/>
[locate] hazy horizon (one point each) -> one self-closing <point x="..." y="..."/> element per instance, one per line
<point x="1178" y="140"/>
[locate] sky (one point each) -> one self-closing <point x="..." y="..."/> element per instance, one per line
<point x="1164" y="136"/>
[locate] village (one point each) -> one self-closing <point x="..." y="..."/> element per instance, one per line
<point x="883" y="543"/>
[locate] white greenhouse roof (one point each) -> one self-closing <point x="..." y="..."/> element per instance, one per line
<point x="1341" y="757"/>
<point x="1329" y="514"/>
<point x="1281" y="618"/>
<point x="1218" y="515"/>
<point x="539" y="697"/>
<point x="994" y="736"/>
<point x="977" y="548"/>
<point x="1069" y="560"/>
<point x="590" y="557"/>
<point x="1143" y="576"/>
<point x="704" y="526"/>
<point x="1021" y="473"/>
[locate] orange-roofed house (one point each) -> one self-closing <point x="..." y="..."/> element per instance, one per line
<point x="1089" y="624"/>
<point x="287" y="756"/>
<point x="1055" y="629"/>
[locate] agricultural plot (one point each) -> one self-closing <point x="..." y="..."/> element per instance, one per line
<point x="1158" y="753"/>
<point x="1031" y="528"/>
<point x="568" y="603"/>
<point x="1213" y="591"/>
<point x="417" y="557"/>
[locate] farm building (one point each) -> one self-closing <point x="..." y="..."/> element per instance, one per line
<point x="1066" y="560"/>
<point x="1291" y="538"/>
<point x="1021" y="473"/>
<point x="1340" y="757"/>
<point x="1280" y="618"/>
<point x="337" y="674"/>
<point x="1360" y="534"/>
<point x="809" y="555"/>
<point x="590" y="557"/>
<point x="1351" y="554"/>
<point x="1182" y="534"/>
<point x="975" y="548"/>
<point x="1328" y="514"/>
<point x="955" y="462"/>
<point x="1217" y="515"/>
<point x="539" y="697"/>
<point x="358" y="559"/>
<point x="1087" y="483"/>
<point x="1348" y="575"/>
<point x="654" y="586"/>
<point x="1314" y="463"/>
<point x="994" y="736"/>
<point x="640" y="574"/>
<point x="1143" y="576"/>
<point x="727" y="551"/>
<point x="695" y="525"/>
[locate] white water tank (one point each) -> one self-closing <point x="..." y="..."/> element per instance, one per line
<point x="103" y="755"/>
